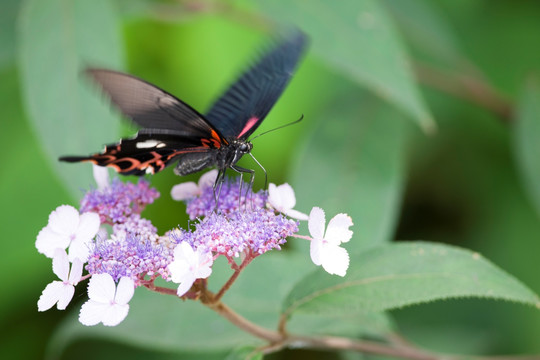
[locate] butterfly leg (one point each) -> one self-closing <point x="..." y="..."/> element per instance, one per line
<point x="217" y="186"/>
<point x="242" y="171"/>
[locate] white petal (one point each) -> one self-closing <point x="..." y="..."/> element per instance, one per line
<point x="204" y="264"/>
<point x="184" y="251"/>
<point x="115" y="314"/>
<point x="296" y="214"/>
<point x="315" y="249"/>
<point x="65" y="295"/>
<point x="288" y="200"/>
<point x="64" y="220"/>
<point x="335" y="260"/>
<point x="316" y="222"/>
<point x="204" y="272"/>
<point x="79" y="250"/>
<point x="185" y="284"/>
<point x="92" y="312"/>
<point x="50" y="295"/>
<point x="60" y="264"/>
<point x="124" y="291"/>
<point x="48" y="241"/>
<point x="88" y="226"/>
<point x="184" y="191"/>
<point x="337" y="230"/>
<point x="208" y="179"/>
<point x="76" y="272"/>
<point x="274" y="197"/>
<point x="178" y="269"/>
<point x="101" y="288"/>
<point x="101" y="176"/>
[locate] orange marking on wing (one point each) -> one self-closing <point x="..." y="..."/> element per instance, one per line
<point x="217" y="140"/>
<point x="205" y="143"/>
<point x="156" y="160"/>
<point x="134" y="164"/>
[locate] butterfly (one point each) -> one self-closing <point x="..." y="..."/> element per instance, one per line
<point x="172" y="131"/>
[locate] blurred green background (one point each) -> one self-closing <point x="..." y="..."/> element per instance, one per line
<point x="467" y="183"/>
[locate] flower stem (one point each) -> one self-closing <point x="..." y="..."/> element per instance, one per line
<point x="244" y="324"/>
<point x="233" y="277"/>
<point x="159" y="289"/>
<point x="278" y="340"/>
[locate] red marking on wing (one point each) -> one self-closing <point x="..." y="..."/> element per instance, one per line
<point x="250" y="123"/>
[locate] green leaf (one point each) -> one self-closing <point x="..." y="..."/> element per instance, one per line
<point x="354" y="163"/>
<point x="58" y="39"/>
<point x="402" y="274"/>
<point x="358" y="39"/>
<point x="526" y="140"/>
<point x="373" y="325"/>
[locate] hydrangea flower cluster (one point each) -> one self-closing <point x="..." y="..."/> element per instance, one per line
<point x="117" y="202"/>
<point x="115" y="245"/>
<point x="232" y="198"/>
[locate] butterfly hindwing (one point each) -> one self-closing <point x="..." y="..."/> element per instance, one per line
<point x="247" y="102"/>
<point x="142" y="155"/>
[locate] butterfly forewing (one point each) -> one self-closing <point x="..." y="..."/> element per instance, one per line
<point x="247" y="102"/>
<point x="149" y="106"/>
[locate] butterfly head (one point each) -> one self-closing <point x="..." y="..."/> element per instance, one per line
<point x="244" y="147"/>
<point x="238" y="148"/>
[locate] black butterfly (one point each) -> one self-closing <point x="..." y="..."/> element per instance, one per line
<point x="173" y="131"/>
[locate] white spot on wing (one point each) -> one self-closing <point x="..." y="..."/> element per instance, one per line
<point x="148" y="144"/>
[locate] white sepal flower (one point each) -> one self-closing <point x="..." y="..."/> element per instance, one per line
<point x="283" y="200"/>
<point x="107" y="303"/>
<point x="325" y="249"/>
<point x="101" y="176"/>
<point x="189" y="190"/>
<point x="61" y="292"/>
<point x="66" y="228"/>
<point x="189" y="265"/>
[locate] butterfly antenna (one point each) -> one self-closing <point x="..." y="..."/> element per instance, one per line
<point x="279" y="127"/>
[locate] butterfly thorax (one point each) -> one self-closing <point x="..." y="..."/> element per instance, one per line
<point x="223" y="157"/>
<point x="231" y="153"/>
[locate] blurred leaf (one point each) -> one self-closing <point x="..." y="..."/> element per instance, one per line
<point x="106" y="350"/>
<point x="401" y="274"/>
<point x="8" y="16"/>
<point x="245" y="353"/>
<point x="357" y="38"/>
<point x="29" y="191"/>
<point x="353" y="163"/>
<point x="426" y="29"/>
<point x="58" y="39"/>
<point x="526" y="140"/>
